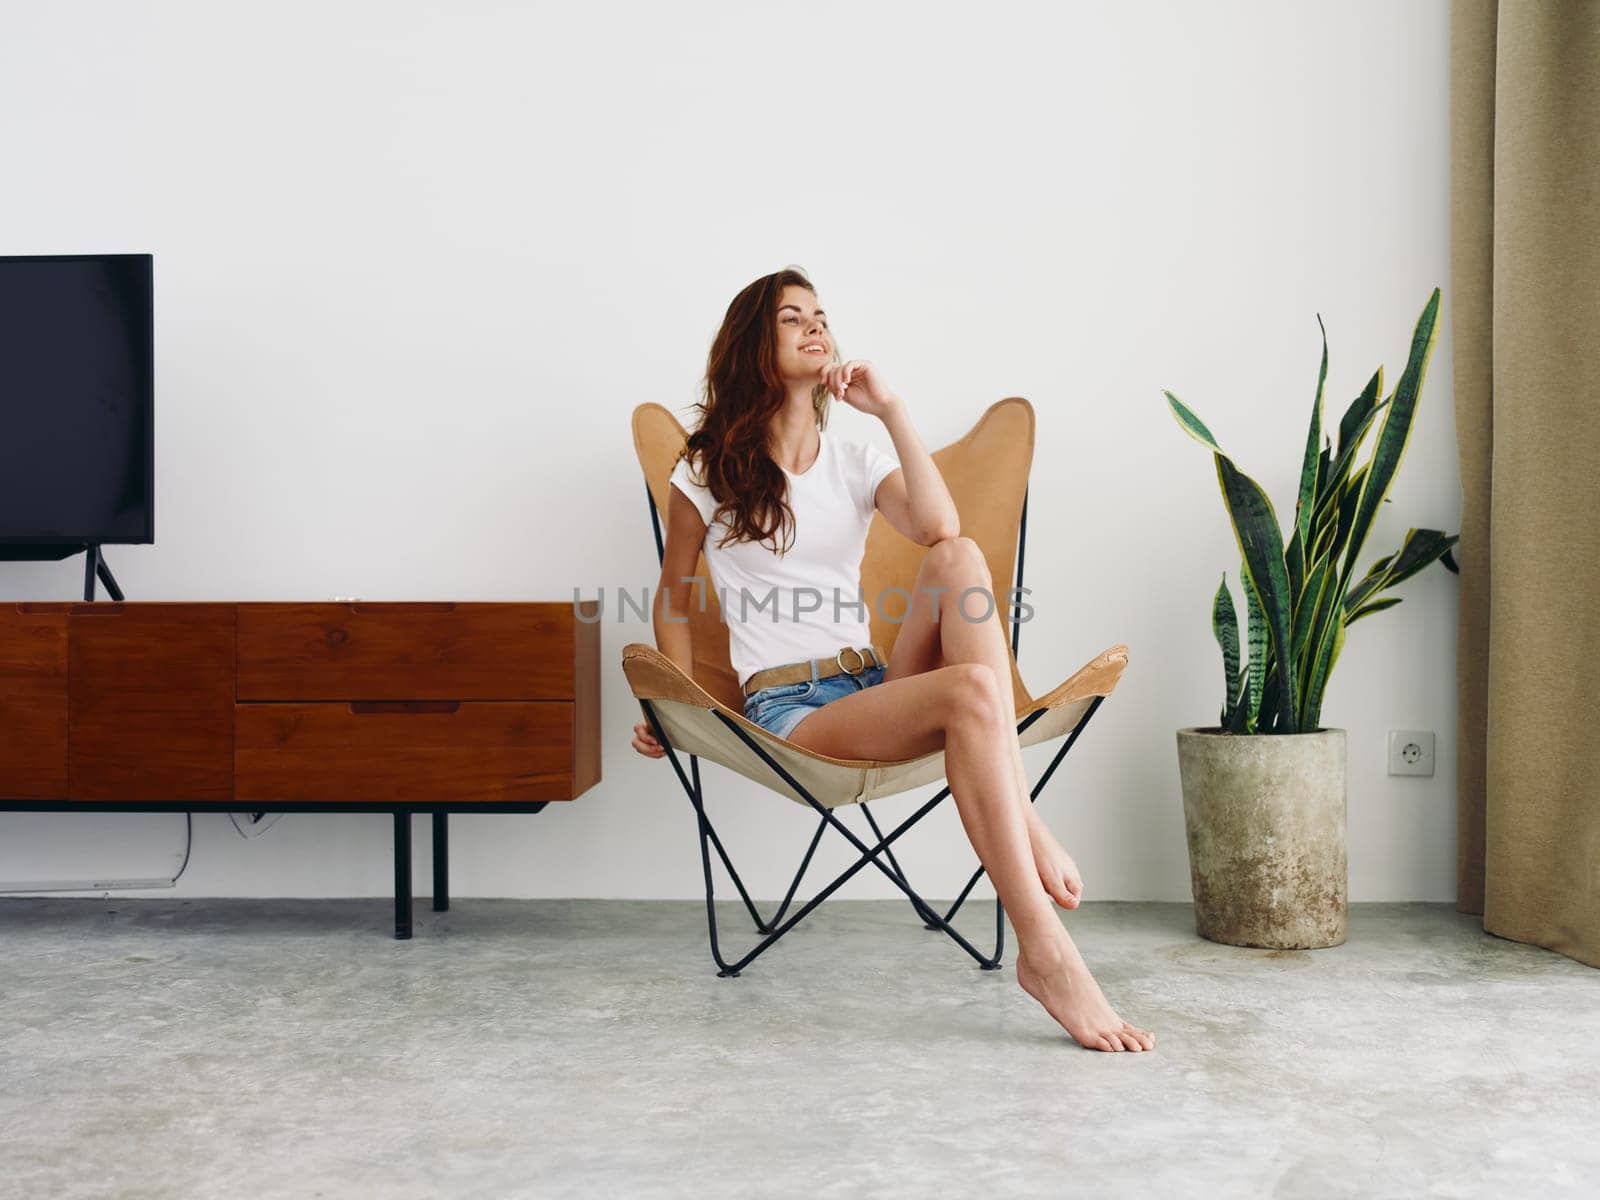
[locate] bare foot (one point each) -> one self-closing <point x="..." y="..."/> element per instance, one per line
<point x="1057" y="870"/>
<point x="1062" y="983"/>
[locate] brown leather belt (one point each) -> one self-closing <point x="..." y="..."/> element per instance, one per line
<point x="800" y="672"/>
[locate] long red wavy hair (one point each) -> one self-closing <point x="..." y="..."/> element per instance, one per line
<point x="743" y="392"/>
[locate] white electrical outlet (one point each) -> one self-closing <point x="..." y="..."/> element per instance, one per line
<point x="1411" y="752"/>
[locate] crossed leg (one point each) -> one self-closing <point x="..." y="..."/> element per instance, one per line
<point x="927" y="641"/>
<point x="966" y="708"/>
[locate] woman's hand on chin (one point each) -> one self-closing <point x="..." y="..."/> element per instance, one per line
<point x="860" y="385"/>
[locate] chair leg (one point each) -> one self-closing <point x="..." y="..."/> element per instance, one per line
<point x="871" y="854"/>
<point x="794" y="884"/>
<point x="708" y="837"/>
<point x="755" y="914"/>
<point x="762" y="924"/>
<point x="929" y="920"/>
<point x="723" y="969"/>
<point x="806" y="909"/>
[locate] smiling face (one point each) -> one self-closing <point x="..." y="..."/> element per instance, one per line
<point x="805" y="344"/>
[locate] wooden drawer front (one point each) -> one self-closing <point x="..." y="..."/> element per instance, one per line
<point x="404" y="751"/>
<point x="406" y="651"/>
<point x="151" y="701"/>
<point x="33" y="702"/>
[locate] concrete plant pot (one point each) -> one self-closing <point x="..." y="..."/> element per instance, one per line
<point x="1265" y="816"/>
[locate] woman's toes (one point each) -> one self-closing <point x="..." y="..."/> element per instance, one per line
<point x="1144" y="1037"/>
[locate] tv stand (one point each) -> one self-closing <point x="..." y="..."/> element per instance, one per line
<point x="95" y="564"/>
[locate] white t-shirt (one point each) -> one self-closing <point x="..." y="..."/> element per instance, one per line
<point x="802" y="604"/>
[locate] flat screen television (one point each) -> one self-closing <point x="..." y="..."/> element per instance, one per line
<point x="77" y="403"/>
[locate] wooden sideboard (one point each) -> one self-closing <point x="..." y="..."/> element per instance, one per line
<point x="398" y="707"/>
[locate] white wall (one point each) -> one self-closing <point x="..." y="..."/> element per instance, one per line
<point x="416" y="263"/>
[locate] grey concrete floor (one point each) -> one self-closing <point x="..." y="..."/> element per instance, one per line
<point x="228" y="1048"/>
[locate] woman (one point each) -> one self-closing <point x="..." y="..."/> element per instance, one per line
<point x="773" y="499"/>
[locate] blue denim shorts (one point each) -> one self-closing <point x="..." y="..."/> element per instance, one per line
<point x="782" y="707"/>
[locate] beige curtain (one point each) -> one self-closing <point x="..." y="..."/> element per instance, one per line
<point x="1525" y="256"/>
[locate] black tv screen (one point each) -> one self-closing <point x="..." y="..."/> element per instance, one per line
<point x="77" y="402"/>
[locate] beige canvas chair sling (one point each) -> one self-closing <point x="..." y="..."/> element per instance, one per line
<point x="703" y="715"/>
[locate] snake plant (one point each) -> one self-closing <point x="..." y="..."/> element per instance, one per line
<point x="1301" y="595"/>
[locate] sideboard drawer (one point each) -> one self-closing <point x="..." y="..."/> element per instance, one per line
<point x="150" y="699"/>
<point x="406" y="751"/>
<point x="33" y="701"/>
<point x="413" y="651"/>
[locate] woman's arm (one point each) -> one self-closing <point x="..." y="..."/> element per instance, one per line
<point x="919" y="506"/>
<point x="686" y="533"/>
<point x="928" y="511"/>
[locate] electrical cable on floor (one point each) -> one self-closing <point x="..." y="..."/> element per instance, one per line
<point x="258" y="822"/>
<point x="103" y="885"/>
<point x="187" y="847"/>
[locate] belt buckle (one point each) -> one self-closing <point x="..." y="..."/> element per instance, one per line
<point x="861" y="661"/>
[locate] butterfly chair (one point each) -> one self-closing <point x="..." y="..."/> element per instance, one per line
<point x="703" y="714"/>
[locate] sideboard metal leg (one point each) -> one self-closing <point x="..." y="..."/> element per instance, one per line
<point x="402" y="875"/>
<point x="441" y="862"/>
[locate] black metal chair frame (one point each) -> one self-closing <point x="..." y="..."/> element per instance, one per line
<point x="869" y="854"/>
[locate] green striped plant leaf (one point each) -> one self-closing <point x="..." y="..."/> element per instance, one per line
<point x="1192" y="425"/>
<point x="1421" y="548"/>
<point x="1294" y="559"/>
<point x="1326" y="612"/>
<point x="1237" y="714"/>
<point x="1324" y="466"/>
<point x="1354" y="424"/>
<point x="1375" y="606"/>
<point x="1225" y="626"/>
<point x="1256" y="624"/>
<point x="1319" y="679"/>
<point x="1308" y="466"/>
<point x="1320" y="582"/>
<point x="1370" y="584"/>
<point x="1394" y="434"/>
<point x="1260" y="539"/>
<point x="1346" y="455"/>
<point x="1347" y="504"/>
